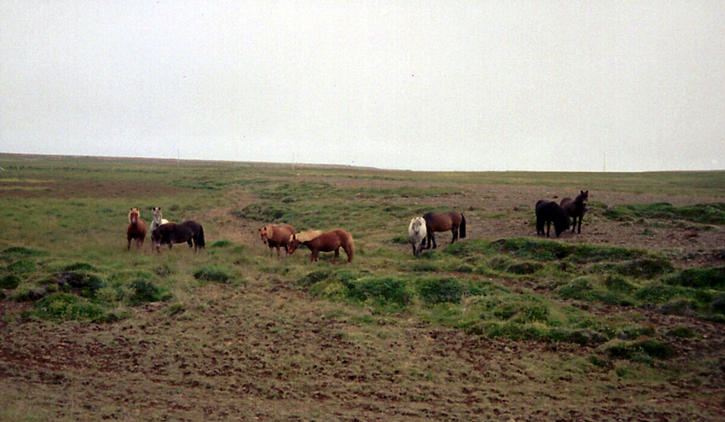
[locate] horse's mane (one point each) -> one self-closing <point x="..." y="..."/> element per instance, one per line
<point x="307" y="235"/>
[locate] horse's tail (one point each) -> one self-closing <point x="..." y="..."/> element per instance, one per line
<point x="350" y="251"/>
<point x="462" y="227"/>
<point x="200" y="237"/>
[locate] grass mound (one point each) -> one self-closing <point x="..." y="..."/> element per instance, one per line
<point x="713" y="213"/>
<point x="213" y="272"/>
<point x="711" y="277"/>
<point x="66" y="307"/>
<point x="144" y="291"/>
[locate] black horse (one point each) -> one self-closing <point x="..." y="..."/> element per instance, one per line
<point x="576" y="208"/>
<point x="189" y="231"/>
<point x="548" y="212"/>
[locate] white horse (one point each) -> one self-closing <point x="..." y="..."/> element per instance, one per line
<point x="417" y="233"/>
<point x="158" y="220"/>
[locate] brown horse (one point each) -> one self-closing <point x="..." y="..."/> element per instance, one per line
<point x="276" y="235"/>
<point x="453" y="221"/>
<point x="136" y="229"/>
<point x="325" y="242"/>
<point x="576" y="208"/>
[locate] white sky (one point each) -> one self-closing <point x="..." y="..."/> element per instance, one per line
<point x="423" y="85"/>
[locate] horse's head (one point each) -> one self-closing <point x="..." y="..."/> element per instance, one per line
<point x="264" y="233"/>
<point x="134" y="215"/>
<point x="583" y="196"/>
<point x="292" y="244"/>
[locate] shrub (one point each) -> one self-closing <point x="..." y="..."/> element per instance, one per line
<point x="79" y="266"/>
<point x="22" y="266"/>
<point x="9" y="281"/>
<point x="221" y="244"/>
<point x="639" y="350"/>
<point x="21" y="252"/>
<point x="213" y="273"/>
<point x="86" y="284"/>
<point x="145" y="291"/>
<point x="64" y="307"/>
<point x="384" y="290"/>
<point x="713" y="277"/>
<point x="648" y="267"/>
<point x="440" y="290"/>
<point x="683" y="332"/>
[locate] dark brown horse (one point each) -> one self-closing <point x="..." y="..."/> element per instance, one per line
<point x="276" y="236"/>
<point x="548" y="212"/>
<point x="453" y="221"/>
<point x="323" y="242"/>
<point x="136" y="229"/>
<point x="189" y="231"/>
<point x="576" y="208"/>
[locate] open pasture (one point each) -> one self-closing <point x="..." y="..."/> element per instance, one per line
<point x="623" y="321"/>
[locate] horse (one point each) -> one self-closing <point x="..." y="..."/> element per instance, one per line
<point x="189" y="231"/>
<point x="576" y="208"/>
<point x="276" y="235"/>
<point x="158" y="220"/>
<point x="451" y="220"/>
<point x="417" y="233"/>
<point x="548" y="212"/>
<point x="325" y="242"/>
<point x="136" y="228"/>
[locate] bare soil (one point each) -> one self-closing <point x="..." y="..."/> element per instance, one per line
<point x="268" y="351"/>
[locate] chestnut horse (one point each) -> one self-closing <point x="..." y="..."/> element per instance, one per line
<point x="276" y="235"/>
<point x="576" y="208"/>
<point x="325" y="242"/>
<point x="136" y="228"/>
<point x="189" y="231"/>
<point x="453" y="221"/>
<point x="548" y="212"/>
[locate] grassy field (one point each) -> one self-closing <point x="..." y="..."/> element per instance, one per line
<point x="622" y="321"/>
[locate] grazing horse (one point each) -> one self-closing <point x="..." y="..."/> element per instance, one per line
<point x="325" y="242"/>
<point x="158" y="220"/>
<point x="136" y="228"/>
<point x="189" y="231"/>
<point x="576" y="208"/>
<point x="548" y="212"/>
<point x="451" y="220"/>
<point x="417" y="233"/>
<point x="276" y="235"/>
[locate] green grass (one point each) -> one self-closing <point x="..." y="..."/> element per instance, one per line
<point x="713" y="213"/>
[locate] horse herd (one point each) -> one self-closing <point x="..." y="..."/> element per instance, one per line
<point x="421" y="230"/>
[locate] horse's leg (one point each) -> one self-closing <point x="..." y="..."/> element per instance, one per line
<point x="415" y="252"/>
<point x="579" y="229"/>
<point x="454" y="232"/>
<point x="433" y="238"/>
<point x="313" y="256"/>
<point x="128" y="248"/>
<point x="548" y="227"/>
<point x="337" y="253"/>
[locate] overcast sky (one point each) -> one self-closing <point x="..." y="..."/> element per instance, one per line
<point x="422" y="85"/>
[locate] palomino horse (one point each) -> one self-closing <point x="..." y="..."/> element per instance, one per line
<point x="576" y="208"/>
<point x="136" y="229"/>
<point x="451" y="220"/>
<point x="276" y="236"/>
<point x="325" y="242"/>
<point x="417" y="234"/>
<point x="548" y="212"/>
<point x="189" y="231"/>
